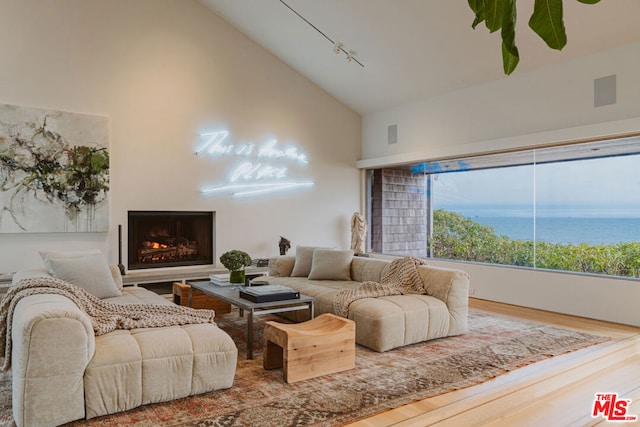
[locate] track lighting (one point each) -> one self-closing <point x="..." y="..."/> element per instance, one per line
<point x="337" y="47"/>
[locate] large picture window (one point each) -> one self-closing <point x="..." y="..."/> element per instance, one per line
<point x="569" y="208"/>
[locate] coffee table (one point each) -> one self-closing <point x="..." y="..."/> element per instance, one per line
<point x="231" y="296"/>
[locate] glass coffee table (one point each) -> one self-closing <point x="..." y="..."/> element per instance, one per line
<point x="225" y="293"/>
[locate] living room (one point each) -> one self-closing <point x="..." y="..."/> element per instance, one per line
<point x="162" y="83"/>
<point x="166" y="73"/>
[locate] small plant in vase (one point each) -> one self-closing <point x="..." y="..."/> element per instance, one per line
<point x="235" y="261"/>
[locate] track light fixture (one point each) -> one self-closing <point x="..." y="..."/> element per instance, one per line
<point x="337" y="47"/>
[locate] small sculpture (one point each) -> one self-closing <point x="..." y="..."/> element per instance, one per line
<point x="358" y="233"/>
<point x="284" y="245"/>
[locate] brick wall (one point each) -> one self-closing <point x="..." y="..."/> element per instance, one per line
<point x="398" y="213"/>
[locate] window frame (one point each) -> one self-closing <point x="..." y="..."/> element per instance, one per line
<point x="552" y="153"/>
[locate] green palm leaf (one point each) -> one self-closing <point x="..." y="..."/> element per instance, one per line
<point x="547" y="22"/>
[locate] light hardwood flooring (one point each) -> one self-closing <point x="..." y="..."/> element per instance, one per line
<point x="555" y="392"/>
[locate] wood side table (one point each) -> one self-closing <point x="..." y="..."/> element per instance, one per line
<point x="199" y="299"/>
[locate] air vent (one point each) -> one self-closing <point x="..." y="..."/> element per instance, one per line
<point x="604" y="91"/>
<point x="392" y="134"/>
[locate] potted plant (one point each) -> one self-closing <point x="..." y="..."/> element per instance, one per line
<point x="235" y="261"/>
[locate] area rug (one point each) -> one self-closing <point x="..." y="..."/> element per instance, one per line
<point x="493" y="346"/>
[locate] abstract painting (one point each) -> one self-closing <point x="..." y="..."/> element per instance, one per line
<point x="54" y="171"/>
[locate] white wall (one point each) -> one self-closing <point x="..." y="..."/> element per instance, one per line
<point x="163" y="71"/>
<point x="610" y="299"/>
<point x="540" y="107"/>
<point x="521" y="110"/>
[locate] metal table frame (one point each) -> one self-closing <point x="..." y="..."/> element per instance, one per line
<point x="227" y="294"/>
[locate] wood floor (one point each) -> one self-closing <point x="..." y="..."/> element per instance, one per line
<point x="555" y="392"/>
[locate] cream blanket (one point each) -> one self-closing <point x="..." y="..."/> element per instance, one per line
<point x="104" y="316"/>
<point x="401" y="278"/>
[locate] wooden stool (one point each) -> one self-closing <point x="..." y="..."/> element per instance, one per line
<point x="320" y="346"/>
<point x="199" y="299"/>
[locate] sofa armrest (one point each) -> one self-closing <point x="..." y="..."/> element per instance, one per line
<point x="452" y="287"/>
<point x="281" y="266"/>
<point x="28" y="274"/>
<point x="52" y="343"/>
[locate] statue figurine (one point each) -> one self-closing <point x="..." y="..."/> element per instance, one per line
<point x="284" y="245"/>
<point x="358" y="233"/>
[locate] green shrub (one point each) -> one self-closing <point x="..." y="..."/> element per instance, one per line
<point x="460" y="238"/>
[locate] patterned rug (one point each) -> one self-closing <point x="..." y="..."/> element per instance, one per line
<point x="493" y="346"/>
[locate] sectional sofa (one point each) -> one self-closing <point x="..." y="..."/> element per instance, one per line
<point x="382" y="323"/>
<point x="62" y="372"/>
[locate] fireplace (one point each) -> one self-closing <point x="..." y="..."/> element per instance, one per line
<point x="170" y="238"/>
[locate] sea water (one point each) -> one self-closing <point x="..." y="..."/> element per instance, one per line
<point x="569" y="230"/>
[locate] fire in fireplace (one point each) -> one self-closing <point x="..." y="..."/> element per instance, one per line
<point x="170" y="238"/>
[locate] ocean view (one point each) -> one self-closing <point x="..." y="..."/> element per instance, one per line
<point x="566" y="230"/>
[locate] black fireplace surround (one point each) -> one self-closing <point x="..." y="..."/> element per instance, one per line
<point x="170" y="238"/>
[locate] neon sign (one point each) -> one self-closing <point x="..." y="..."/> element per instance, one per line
<point x="255" y="172"/>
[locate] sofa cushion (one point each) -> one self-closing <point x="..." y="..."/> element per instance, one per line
<point x="281" y="266"/>
<point x="47" y="255"/>
<point x="397" y="320"/>
<point x="365" y="269"/>
<point x="136" y="367"/>
<point x="43" y="272"/>
<point x="331" y="264"/>
<point x="90" y="272"/>
<point x="138" y="295"/>
<point x="304" y="257"/>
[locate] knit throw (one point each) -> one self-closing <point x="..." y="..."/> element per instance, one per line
<point x="104" y="316"/>
<point x="400" y="278"/>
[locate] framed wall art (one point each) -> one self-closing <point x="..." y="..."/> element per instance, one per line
<point x="54" y="171"/>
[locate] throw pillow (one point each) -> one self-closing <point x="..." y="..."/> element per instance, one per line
<point x="117" y="276"/>
<point x="90" y="272"/>
<point x="302" y="265"/>
<point x="331" y="264"/>
<point x="46" y="255"/>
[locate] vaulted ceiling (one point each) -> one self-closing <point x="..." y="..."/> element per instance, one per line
<point x="413" y="49"/>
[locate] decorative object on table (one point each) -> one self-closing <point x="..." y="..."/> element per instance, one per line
<point x="261" y="262"/>
<point x="259" y="281"/>
<point x="249" y="277"/>
<point x="284" y="244"/>
<point x="268" y="293"/>
<point x="235" y="261"/>
<point x="220" y="279"/>
<point x="54" y="171"/>
<point x="358" y="233"/>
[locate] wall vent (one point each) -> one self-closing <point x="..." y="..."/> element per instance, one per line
<point x="604" y="91"/>
<point x="392" y="134"/>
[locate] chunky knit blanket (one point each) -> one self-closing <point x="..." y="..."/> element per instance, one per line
<point x="401" y="278"/>
<point x="104" y="316"/>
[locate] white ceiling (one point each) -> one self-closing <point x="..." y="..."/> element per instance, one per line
<point x="414" y="49"/>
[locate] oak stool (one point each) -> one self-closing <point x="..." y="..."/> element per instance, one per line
<point x="320" y="346"/>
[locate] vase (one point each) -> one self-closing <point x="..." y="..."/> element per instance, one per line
<point x="237" y="276"/>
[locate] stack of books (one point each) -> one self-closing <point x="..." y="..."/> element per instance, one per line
<point x="221" y="279"/>
<point x="268" y="293"/>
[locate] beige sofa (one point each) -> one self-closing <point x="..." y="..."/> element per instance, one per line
<point x="387" y="322"/>
<point x="62" y="372"/>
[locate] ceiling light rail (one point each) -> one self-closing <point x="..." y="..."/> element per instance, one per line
<point x="337" y="47"/>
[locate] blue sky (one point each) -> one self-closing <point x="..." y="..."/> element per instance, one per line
<point x="611" y="186"/>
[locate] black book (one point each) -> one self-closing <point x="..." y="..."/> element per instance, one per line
<point x="283" y="296"/>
